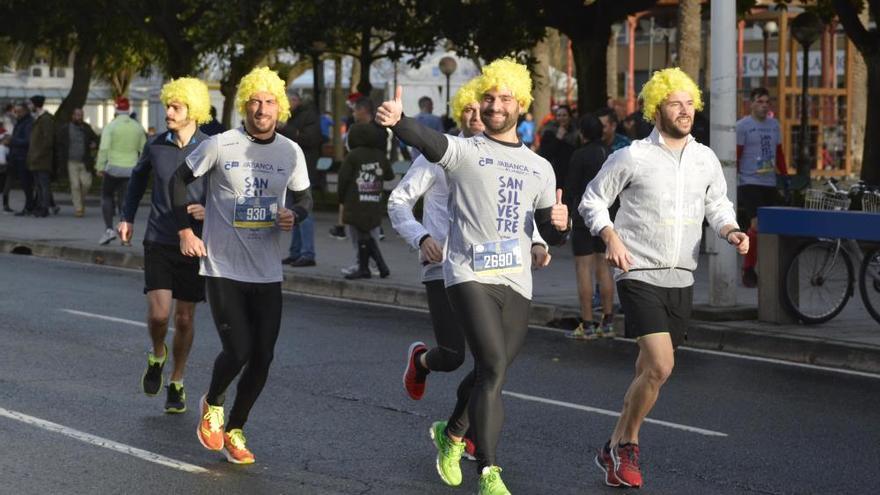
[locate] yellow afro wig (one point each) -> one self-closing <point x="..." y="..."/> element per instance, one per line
<point x="663" y="82"/>
<point x="263" y="79"/>
<point x="506" y="73"/>
<point x="191" y="92"/>
<point x="466" y="95"/>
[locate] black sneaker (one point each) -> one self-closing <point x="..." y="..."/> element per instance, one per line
<point x="338" y="232"/>
<point x="152" y="379"/>
<point x="175" y="403"/>
<point x="301" y="261"/>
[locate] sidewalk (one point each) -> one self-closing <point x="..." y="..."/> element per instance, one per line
<point x="852" y="340"/>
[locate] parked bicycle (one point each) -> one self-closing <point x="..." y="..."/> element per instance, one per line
<point x="820" y="278"/>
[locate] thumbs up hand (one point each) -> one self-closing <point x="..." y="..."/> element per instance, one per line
<point x="389" y="112"/>
<point x="559" y="213"/>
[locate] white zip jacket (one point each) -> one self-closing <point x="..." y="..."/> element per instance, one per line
<point x="429" y="180"/>
<point x="663" y="199"/>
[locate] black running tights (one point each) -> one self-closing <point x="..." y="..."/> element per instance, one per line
<point x="448" y="355"/>
<point x="248" y="318"/>
<point x="495" y="319"/>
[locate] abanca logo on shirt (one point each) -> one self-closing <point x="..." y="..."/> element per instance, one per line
<point x="249" y="165"/>
<point x="507" y="166"/>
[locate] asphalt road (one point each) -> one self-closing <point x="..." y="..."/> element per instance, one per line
<point x="333" y="418"/>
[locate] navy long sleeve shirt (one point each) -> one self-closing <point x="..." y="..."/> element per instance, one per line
<point x="160" y="158"/>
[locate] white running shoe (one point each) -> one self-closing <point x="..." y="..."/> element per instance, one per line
<point x="108" y="236"/>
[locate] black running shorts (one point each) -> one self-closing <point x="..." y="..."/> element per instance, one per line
<point x="651" y="309"/>
<point x="751" y="197"/>
<point x="166" y="268"/>
<point x="585" y="244"/>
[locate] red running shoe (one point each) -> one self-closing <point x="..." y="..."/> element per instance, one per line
<point x="470" y="450"/>
<point x="413" y="379"/>
<point x="626" y="464"/>
<point x="606" y="464"/>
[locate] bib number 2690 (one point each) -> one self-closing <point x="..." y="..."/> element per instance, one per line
<point x="495" y="258"/>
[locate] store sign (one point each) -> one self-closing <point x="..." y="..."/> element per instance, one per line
<point x="753" y="63"/>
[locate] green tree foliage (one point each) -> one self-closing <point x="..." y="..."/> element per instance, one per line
<point x="868" y="44"/>
<point x="95" y="33"/>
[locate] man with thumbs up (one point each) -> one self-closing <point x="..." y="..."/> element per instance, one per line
<point x="499" y="191"/>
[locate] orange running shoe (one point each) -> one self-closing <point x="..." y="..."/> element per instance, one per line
<point x="210" y="429"/>
<point x="235" y="449"/>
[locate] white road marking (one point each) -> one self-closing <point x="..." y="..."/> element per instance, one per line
<point x="745" y="357"/>
<point x="864" y="374"/>
<point x="606" y="412"/>
<point x="109" y="318"/>
<point x="102" y="442"/>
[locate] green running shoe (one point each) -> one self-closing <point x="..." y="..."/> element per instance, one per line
<point x="491" y="483"/>
<point x="448" y="454"/>
<point x="152" y="379"/>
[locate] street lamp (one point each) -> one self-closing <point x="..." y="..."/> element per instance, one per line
<point x="447" y="67"/>
<point x="770" y="28"/>
<point x="806" y="28"/>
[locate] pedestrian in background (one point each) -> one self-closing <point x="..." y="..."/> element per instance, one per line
<point x="759" y="162"/>
<point x="559" y="140"/>
<point x="5" y="173"/>
<point x="304" y="129"/>
<point x="18" y="151"/>
<point x="213" y="126"/>
<point x="589" y="250"/>
<point x="41" y="156"/>
<point x="526" y="130"/>
<point x="122" y="142"/>
<point x="76" y="144"/>
<point x="361" y="183"/>
<point x="610" y="137"/>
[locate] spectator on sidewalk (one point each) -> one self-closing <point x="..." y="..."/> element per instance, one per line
<point x="8" y="118"/>
<point x="526" y="130"/>
<point x="361" y="181"/>
<point x="18" y="151"/>
<point x="122" y="142"/>
<point x="41" y="156"/>
<point x="362" y="113"/>
<point x="5" y="173"/>
<point x="636" y="125"/>
<point x="589" y="250"/>
<point x="427" y="118"/>
<point x="76" y="143"/>
<point x="558" y="141"/>
<point x="610" y="138"/>
<point x="214" y="126"/>
<point x="759" y="160"/>
<point x="303" y="128"/>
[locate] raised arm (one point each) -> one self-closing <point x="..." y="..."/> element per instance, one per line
<point x="431" y="143"/>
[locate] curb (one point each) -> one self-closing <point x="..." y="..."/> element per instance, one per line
<point x="773" y="345"/>
<point x="701" y="334"/>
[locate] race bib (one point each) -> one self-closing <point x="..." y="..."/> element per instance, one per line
<point x="497" y="257"/>
<point x="255" y="212"/>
